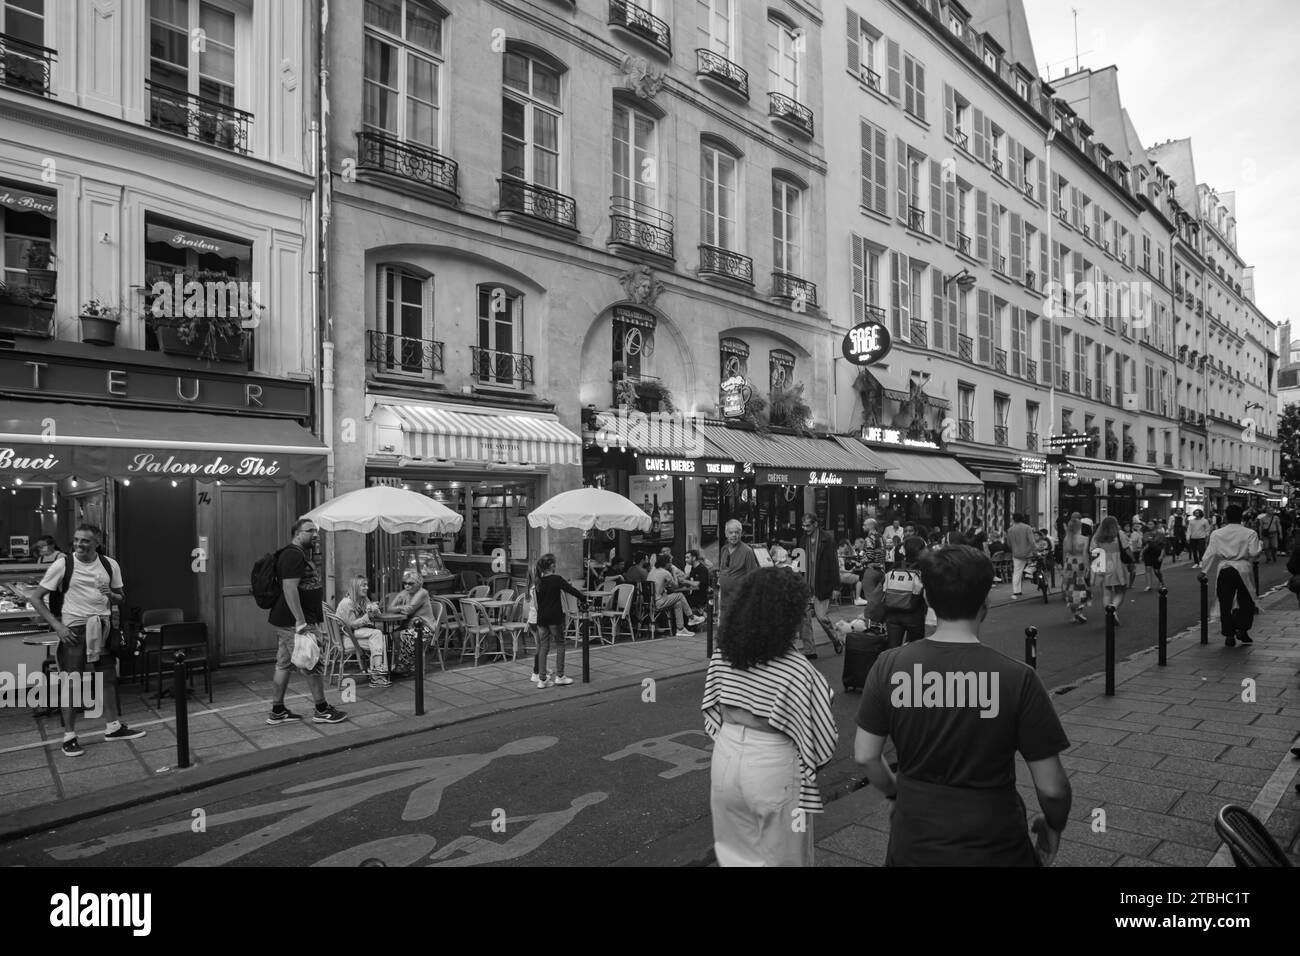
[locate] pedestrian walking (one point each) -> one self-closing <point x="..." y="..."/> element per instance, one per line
<point x="1075" y="574"/>
<point x="355" y="611"/>
<point x="768" y="711"/>
<point x="1154" y="542"/>
<point x="1106" y="564"/>
<point x="298" y="611"/>
<point x="1269" y="527"/>
<point x="1229" y="554"/>
<point x="82" y="588"/>
<point x="905" y="607"/>
<point x="1020" y="537"/>
<point x="1198" y="532"/>
<point x="956" y="732"/>
<point x="821" y="570"/>
<point x="736" y="561"/>
<point x="550" y="620"/>
<point x="1178" y="537"/>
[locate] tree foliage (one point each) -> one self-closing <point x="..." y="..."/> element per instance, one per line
<point x="1288" y="438"/>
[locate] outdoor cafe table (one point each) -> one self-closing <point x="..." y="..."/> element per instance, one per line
<point x="49" y="641"/>
<point x="495" y="609"/>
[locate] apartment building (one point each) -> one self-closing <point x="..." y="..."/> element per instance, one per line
<point x="149" y="151"/>
<point x="546" y="215"/>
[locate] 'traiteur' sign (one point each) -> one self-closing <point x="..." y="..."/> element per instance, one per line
<point x="866" y="343"/>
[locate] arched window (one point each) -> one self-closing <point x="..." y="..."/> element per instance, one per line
<point x="734" y="355"/>
<point x="403" y="339"/>
<point x="780" y="369"/>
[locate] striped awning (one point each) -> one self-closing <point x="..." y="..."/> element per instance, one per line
<point x="1096" y="470"/>
<point x="787" y="451"/>
<point x="915" y="472"/>
<point x="1196" y="477"/>
<point x="452" y="433"/>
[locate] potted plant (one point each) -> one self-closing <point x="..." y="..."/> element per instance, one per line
<point x="195" y="332"/>
<point x="24" y="312"/>
<point x="788" y="409"/>
<point x="99" y="322"/>
<point x="1112" y="445"/>
<point x="40" y="276"/>
<point x="1130" y="448"/>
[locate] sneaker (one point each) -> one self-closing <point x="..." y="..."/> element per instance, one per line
<point x="124" y="732"/>
<point x="544" y="683"/>
<point x="282" y="716"/>
<point x="860" y="602"/>
<point x="380" y="682"/>
<point x="562" y="681"/>
<point x="1244" y="638"/>
<point x="685" y="632"/>
<point x="1148" y="587"/>
<point x="535" y="679"/>
<point x="329" y="715"/>
<point x="1080" y="617"/>
<point x="695" y="621"/>
<point x="72" y="749"/>
<point x="1016" y="596"/>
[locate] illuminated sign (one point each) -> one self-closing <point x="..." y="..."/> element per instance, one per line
<point x="866" y="343"/>
<point x="894" y="436"/>
<point x="816" y="479"/>
<point x="1072" y="440"/>
<point x="669" y="466"/>
<point x="649" y="465"/>
<point x="1123" y="476"/>
<point x="824" y="478"/>
<point x="1033" y="465"/>
<point x="720" y="467"/>
<point x="735" y="394"/>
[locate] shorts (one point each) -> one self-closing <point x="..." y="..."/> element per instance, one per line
<point x="284" y="650"/>
<point x="72" y="657"/>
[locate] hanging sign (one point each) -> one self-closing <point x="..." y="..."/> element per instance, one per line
<point x="735" y="393"/>
<point x="866" y="343"/>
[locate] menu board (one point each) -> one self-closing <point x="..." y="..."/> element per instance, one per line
<point x="710" y="501"/>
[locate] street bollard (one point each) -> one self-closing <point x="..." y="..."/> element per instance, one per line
<point x="1254" y="571"/>
<point x="586" y="646"/>
<point x="1110" y="650"/>
<point x="419" y="670"/>
<point x="1031" y="647"/>
<point x="182" y="711"/>
<point x="1205" y="608"/>
<point x="708" y="624"/>
<point x="1164" y="624"/>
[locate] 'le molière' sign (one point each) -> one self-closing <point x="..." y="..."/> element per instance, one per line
<point x="866" y="343"/>
<point x="56" y="377"/>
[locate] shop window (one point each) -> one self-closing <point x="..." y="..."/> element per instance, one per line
<point x="531" y="115"/>
<point x="403" y="70"/>
<point x="734" y="354"/>
<point x="499" y="358"/>
<point x="403" y="343"/>
<point x="28" y="231"/>
<point x="780" y="369"/>
<point x="634" y="341"/>
<point x="222" y="264"/>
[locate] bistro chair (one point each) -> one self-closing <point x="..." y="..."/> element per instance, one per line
<point x="505" y="594"/>
<point x="192" y="638"/>
<point x="498" y="582"/>
<point x="478" y="626"/>
<point x="451" y="621"/>
<point x="619" y="614"/>
<point x="515" y="623"/>
<point x="440" y="609"/>
<point x="470" y="580"/>
<point x="337" y="653"/>
<point x="572" y="618"/>
<point x="646" y="615"/>
<point x="1250" y="843"/>
<point x="151" y="623"/>
<point x="479" y="592"/>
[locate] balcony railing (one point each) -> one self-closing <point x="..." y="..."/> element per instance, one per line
<point x="786" y="286"/>
<point x="916" y="218"/>
<point x="502" y="369"/>
<point x="997" y="166"/>
<point x="1169" y="459"/>
<point x="920" y="336"/>
<point x="641" y="22"/>
<point x="1151" y="458"/>
<point x="963" y="140"/>
<point x="182" y="113"/>
<point x="1029" y="190"/>
<point x="1031" y="441"/>
<point x="781" y="107"/>
<point x="403" y="355"/>
<point x="1087" y="387"/>
<point x="963" y="243"/>
<point x="386" y="154"/>
<point x="1031" y="370"/>
<point x="965" y="348"/>
<point x="726" y="264"/>
<point x="999" y="360"/>
<point x="25" y="66"/>
<point x="1002" y="264"/>
<point x="538" y="202"/>
<point x="639" y="226"/>
<point x="719" y="68"/>
<point x="871" y="78"/>
<point x="966" y="429"/>
<point x="1001" y="435"/>
<point x="1031" y="279"/>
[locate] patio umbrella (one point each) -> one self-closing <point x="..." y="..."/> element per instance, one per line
<point x="587" y="508"/>
<point x="382" y="506"/>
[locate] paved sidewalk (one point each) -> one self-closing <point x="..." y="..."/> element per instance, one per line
<point x="1159" y="759"/>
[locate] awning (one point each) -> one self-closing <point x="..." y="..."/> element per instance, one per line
<point x="999" y="478"/>
<point x="1196" y="477"/>
<point x="895" y="386"/>
<point x="1261" y="492"/>
<point x="51" y="441"/>
<point x="20" y="200"/>
<point x="460" y="433"/>
<point x="794" y="459"/>
<point x="913" y="471"/>
<point x="1114" y="470"/>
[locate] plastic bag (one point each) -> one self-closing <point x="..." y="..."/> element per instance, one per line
<point x="306" y="652"/>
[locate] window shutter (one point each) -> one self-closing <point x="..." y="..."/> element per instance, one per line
<point x="868" y="163"/>
<point x="1056" y="194"/>
<point x="936" y="290"/>
<point x="881" y="153"/>
<point x="1042" y="181"/>
<point x="1017" y="267"/>
<point x="953" y="330"/>
<point x="977" y="131"/>
<point x="995" y="228"/>
<point x="1046" y="325"/>
<point x="982" y="225"/>
<point x="1076" y="272"/>
<point x="936" y="199"/>
<point x="1056" y="262"/>
<point x="905" y="303"/>
<point x="920" y="90"/>
<point x="950" y="211"/>
<point x="1042" y="258"/>
<point x="909" y="85"/>
<point x="854" y="55"/>
<point x="900" y="155"/>
<point x="1096" y="224"/>
<point x="988" y="141"/>
<point x="1075" y="197"/>
<point x="985" y="328"/>
<point x="1014" y="155"/>
<point x="895" y="319"/>
<point x="1017" y="340"/>
<point x="893" y="80"/>
<point x="949" y="112"/>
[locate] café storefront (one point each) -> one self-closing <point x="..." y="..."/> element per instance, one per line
<point x="1097" y="488"/>
<point x="921" y="484"/>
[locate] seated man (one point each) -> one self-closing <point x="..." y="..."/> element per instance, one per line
<point x="850" y="583"/>
<point x="639" y="570"/>
<point x="666" y="599"/>
<point x="680" y="578"/>
<point x="613" y="574"/>
<point x="958" y="713"/>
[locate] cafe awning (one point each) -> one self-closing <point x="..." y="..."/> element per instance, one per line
<point x="1195" y="477"/>
<point x="895" y="386"/>
<point x="796" y="452"/>
<point x="915" y="472"/>
<point x="463" y="433"/>
<point x="51" y="441"/>
<point x="1094" y="470"/>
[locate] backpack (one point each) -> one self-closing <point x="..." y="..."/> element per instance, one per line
<point x="55" y="599"/>
<point x="265" y="579"/>
<point x="899" y="591"/>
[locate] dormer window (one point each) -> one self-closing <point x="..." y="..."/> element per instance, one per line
<point x="956" y="26"/>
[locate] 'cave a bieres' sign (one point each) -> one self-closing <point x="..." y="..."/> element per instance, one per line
<point x="866" y="343"/>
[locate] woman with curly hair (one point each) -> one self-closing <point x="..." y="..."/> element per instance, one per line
<point x="768" y="711"/>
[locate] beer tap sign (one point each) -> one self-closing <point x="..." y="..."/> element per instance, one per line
<point x="866" y="343"/>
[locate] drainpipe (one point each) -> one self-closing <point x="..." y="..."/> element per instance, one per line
<point x="319" y="272"/>
<point x="1047" y="280"/>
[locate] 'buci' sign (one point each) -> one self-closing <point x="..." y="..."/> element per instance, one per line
<point x="866" y="343"/>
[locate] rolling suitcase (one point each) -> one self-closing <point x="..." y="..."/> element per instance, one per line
<point x="861" y="648"/>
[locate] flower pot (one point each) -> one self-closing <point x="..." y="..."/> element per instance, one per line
<point x="229" y="349"/>
<point x="36" y="320"/>
<point x="98" y="330"/>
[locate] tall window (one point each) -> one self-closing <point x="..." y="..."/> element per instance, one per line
<point x="780" y="369"/>
<point x="734" y="356"/>
<point x="636" y="176"/>
<point x="28" y="220"/>
<point x="405" y="319"/>
<point x="718" y="198"/>
<point x="716" y="26"/>
<point x="500" y="334"/>
<point x="634" y="339"/>
<point x="783" y="59"/>
<point x="787" y="227"/>
<point x="530" y="130"/>
<point x="914" y="87"/>
<point x="24" y="20"/>
<point x="403" y="70"/>
<point x="966" y="411"/>
<point x="177" y="70"/>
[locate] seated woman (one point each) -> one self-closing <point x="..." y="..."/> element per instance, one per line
<point x="412" y="601"/>
<point x="355" y="610"/>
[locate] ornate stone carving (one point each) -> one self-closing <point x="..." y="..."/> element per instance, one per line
<point x="640" y="285"/>
<point x="639" y="77"/>
<point x="288" y="75"/>
<point x="105" y="8"/>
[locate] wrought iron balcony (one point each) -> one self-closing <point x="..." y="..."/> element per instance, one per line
<point x="1087" y="387"/>
<point x="25" y="66"/>
<point x="871" y="78"/>
<point x="538" y="202"/>
<point x="1029" y="190"/>
<point x="1151" y="458"/>
<point x="920" y="336"/>
<point x="182" y="113"/>
<point x="502" y="369"/>
<point x="720" y="69"/>
<point x="916" y="218"/>
<point x="963" y="139"/>
<point x="383" y="153"/>
<point x="999" y="360"/>
<point x="966" y="429"/>
<point x="1001" y="435"/>
<point x="639" y="226"/>
<point x="1169" y="459"/>
<point x="1031" y="370"/>
<point x="996" y="166"/>
<point x="1031" y="441"/>
<point x="876" y="312"/>
<point x="781" y="107"/>
<point x="963" y="243"/>
<point x="402" y="355"/>
<point x="1002" y="264"/>
<point x="787" y="286"/>
<point x="642" y="23"/>
<point x="726" y="264"/>
<point x="965" y="348"/>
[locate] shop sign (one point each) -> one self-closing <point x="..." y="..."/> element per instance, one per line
<point x="668" y="466"/>
<point x="1123" y="476"/>
<point x="253" y="466"/>
<point x="815" y="479"/>
<point x="724" y="468"/>
<point x="22" y="201"/>
<point x="824" y="478"/>
<point x="1033" y="465"/>
<point x="10" y="460"/>
<point x="1075" y="440"/>
<point x="735" y="393"/>
<point x="893" y="436"/>
<point x="866" y="343"/>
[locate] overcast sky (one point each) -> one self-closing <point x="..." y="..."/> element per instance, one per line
<point x="1219" y="72"/>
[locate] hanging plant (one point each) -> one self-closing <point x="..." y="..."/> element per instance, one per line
<point x="211" y="336"/>
<point x="756" y="413"/>
<point x="788" y="409"/>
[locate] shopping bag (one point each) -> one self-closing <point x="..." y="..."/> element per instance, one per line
<point x="306" y="652"/>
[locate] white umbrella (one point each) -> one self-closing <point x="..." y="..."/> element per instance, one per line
<point x="383" y="506"/>
<point x="587" y="508"/>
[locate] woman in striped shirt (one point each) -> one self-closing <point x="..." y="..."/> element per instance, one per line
<point x="768" y="711"/>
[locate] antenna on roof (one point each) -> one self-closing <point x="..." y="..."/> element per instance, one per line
<point x="1076" y="38"/>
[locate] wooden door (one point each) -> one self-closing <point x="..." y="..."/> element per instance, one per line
<point x="250" y="521"/>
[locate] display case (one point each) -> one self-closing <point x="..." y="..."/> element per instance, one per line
<point x="17" y="618"/>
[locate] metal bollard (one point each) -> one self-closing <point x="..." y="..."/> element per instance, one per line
<point x="419" y="670"/>
<point x="1164" y="625"/>
<point x="586" y="646"/>
<point x="1254" y="572"/>
<point x="1031" y="647"/>
<point x="182" y="711"/>
<point x="708" y="627"/>
<point x="1110" y="650"/>
<point x="1205" y="608"/>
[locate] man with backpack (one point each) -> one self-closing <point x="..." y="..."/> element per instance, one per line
<point x="294" y="584"/>
<point x="905" y="605"/>
<point x="82" y="588"/>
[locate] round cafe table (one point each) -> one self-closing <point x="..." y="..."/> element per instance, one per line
<point x="50" y="641"/>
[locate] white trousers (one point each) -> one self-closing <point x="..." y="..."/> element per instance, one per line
<point x="755" y="800"/>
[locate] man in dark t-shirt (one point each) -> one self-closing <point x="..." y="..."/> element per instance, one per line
<point x="297" y="612"/>
<point x="958" y="713"/>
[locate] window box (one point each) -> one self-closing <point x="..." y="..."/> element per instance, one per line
<point x="202" y="342"/>
<point x="99" y="323"/>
